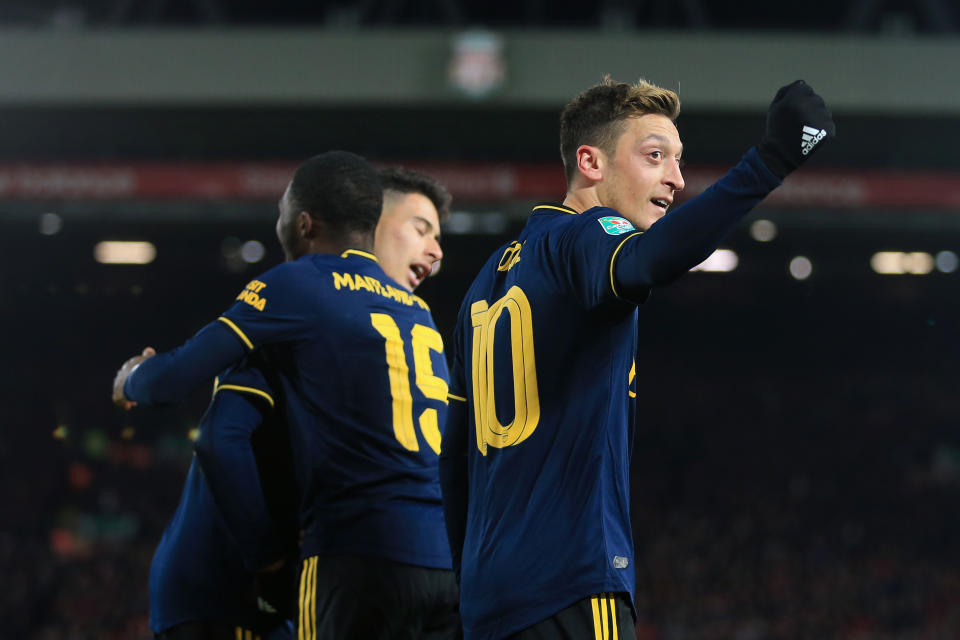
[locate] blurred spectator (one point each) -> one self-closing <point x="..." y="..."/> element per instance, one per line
<point x="752" y="524"/>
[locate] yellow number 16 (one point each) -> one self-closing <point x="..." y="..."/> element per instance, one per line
<point x="526" y="399"/>
<point x="424" y="340"/>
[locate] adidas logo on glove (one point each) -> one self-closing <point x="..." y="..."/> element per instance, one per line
<point x="795" y="106"/>
<point x="811" y="136"/>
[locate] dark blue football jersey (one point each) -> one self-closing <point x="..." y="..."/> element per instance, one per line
<point x="537" y="449"/>
<point x="198" y="571"/>
<point x="543" y="358"/>
<point x="363" y="378"/>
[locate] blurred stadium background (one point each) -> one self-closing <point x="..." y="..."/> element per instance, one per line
<point x="797" y="470"/>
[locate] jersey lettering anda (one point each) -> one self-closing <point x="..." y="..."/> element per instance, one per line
<point x="544" y="358"/>
<point x="363" y="380"/>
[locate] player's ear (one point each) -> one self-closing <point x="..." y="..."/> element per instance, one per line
<point x="590" y="162"/>
<point x="304" y="225"/>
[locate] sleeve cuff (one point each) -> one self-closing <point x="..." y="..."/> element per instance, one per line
<point x="767" y="177"/>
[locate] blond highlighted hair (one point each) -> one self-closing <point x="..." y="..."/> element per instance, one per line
<point x="595" y="117"/>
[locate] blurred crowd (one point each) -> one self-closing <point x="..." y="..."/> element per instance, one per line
<point x="826" y="510"/>
<point x="759" y="568"/>
<point x="759" y="514"/>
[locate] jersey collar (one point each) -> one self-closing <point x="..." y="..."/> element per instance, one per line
<point x="362" y="254"/>
<point x="550" y="207"/>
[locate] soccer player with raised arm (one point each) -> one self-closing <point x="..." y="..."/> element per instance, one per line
<point x="535" y="462"/>
<point x="361" y="383"/>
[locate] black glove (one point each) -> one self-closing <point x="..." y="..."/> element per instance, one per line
<point x="798" y="123"/>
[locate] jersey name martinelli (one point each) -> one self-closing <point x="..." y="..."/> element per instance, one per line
<point x="364" y="386"/>
<point x="544" y="359"/>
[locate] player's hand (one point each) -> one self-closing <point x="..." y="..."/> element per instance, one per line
<point x="121" y="378"/>
<point x="798" y="124"/>
<point x="276" y="589"/>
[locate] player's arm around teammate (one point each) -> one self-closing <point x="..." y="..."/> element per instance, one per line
<point x="347" y="223"/>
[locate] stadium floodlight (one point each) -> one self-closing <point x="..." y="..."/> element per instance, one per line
<point x="763" y="230"/>
<point x="252" y="251"/>
<point x="801" y="267"/>
<point x="899" y="262"/>
<point x="721" y="260"/>
<point x="124" y="252"/>
<point x="50" y="224"/>
<point x="947" y="261"/>
<point x="887" y="262"/>
<point x="919" y="263"/>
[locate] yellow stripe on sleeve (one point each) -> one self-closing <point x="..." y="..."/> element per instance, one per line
<point x="613" y="286"/>
<point x="453" y="397"/>
<point x="237" y="387"/>
<point x="236" y="330"/>
<point x="596" y="618"/>
<point x="249" y="635"/>
<point x="238" y="633"/>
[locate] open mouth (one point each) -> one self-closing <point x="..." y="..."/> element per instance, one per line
<point x="419" y="272"/>
<point x="663" y="204"/>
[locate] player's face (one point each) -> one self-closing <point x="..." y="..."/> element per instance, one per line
<point x="407" y="242"/>
<point x="643" y="173"/>
<point x="286" y="227"/>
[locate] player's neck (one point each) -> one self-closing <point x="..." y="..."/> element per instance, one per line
<point x="336" y="246"/>
<point x="582" y="198"/>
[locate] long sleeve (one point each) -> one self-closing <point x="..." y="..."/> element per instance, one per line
<point x="225" y="453"/>
<point x="168" y="377"/>
<point x="453" y="479"/>
<point x="689" y="234"/>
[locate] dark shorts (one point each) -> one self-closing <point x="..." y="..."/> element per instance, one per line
<point x="221" y="631"/>
<point x="607" y="616"/>
<point x="351" y="597"/>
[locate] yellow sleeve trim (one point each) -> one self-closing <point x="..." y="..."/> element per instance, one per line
<point x="453" y="397"/>
<point x="236" y="330"/>
<point x="556" y="208"/>
<point x="613" y="286"/>
<point x="358" y="252"/>
<point x="237" y="387"/>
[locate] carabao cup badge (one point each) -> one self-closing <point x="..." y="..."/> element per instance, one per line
<point x="615" y="225"/>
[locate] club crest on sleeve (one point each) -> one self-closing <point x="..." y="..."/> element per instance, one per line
<point x="615" y="225"/>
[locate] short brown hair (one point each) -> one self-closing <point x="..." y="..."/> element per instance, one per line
<point x="595" y="116"/>
<point x="403" y="180"/>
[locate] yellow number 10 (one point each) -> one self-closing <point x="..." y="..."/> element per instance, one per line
<point x="526" y="399"/>
<point x="424" y="340"/>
